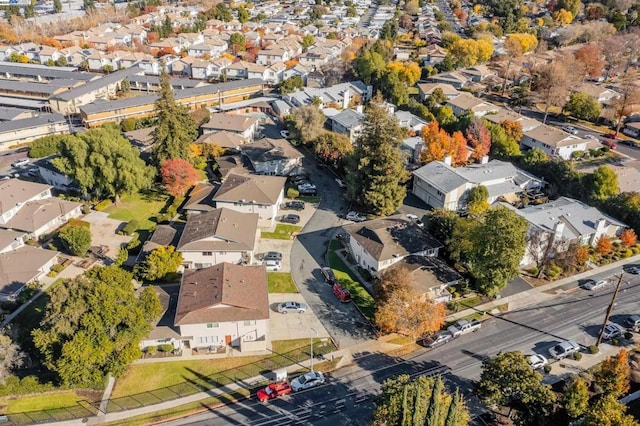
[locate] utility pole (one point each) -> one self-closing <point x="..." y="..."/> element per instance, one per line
<point x="609" y="309"/>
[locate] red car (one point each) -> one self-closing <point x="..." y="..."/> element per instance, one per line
<point x="610" y="135"/>
<point x="341" y="293"/>
<point x="274" y="390"/>
<point x="610" y="143"/>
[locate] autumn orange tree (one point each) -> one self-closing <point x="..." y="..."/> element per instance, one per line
<point x="438" y="144"/>
<point x="591" y="60"/>
<point x="604" y="245"/>
<point x="479" y="138"/>
<point x="613" y="376"/>
<point x="582" y="255"/>
<point x="404" y="310"/>
<point x="178" y="176"/>
<point x="628" y="237"/>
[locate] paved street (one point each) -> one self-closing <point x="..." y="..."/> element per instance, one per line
<point x="348" y="395"/>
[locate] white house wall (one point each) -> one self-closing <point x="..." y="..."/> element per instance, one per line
<point x="218" y="333"/>
<point x="197" y="259"/>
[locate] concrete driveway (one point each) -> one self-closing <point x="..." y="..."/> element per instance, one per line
<point x="292" y="326"/>
<point x="104" y="232"/>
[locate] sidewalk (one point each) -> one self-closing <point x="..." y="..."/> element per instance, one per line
<point x="538" y="294"/>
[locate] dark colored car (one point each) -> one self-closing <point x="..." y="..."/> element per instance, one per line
<point x="294" y="205"/>
<point x="436" y="340"/>
<point x="629" y="142"/>
<point x="610" y="135"/>
<point x="328" y="275"/>
<point x="299" y="179"/>
<point x="290" y="218"/>
<point x="610" y="143"/>
<point x="272" y="255"/>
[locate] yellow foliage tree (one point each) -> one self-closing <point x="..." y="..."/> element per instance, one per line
<point x="563" y="17"/>
<point x="485" y="50"/>
<point x="465" y="51"/>
<point x="527" y="42"/>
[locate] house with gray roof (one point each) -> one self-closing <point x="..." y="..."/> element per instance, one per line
<point x="554" y="142"/>
<point x="27" y="129"/>
<point x="442" y="186"/>
<point x="569" y="221"/>
<point x="252" y="194"/>
<point x="219" y="235"/>
<point x="380" y="243"/>
<point x="347" y="122"/>
<point x="22" y="266"/>
<point x="272" y="156"/>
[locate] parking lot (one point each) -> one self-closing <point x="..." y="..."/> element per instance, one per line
<point x="292" y="325"/>
<point x="104" y="231"/>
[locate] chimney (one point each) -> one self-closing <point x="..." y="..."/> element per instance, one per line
<point x="558" y="229"/>
<point x="346" y="99"/>
<point x="484" y="159"/>
<point x="601" y="229"/>
<point x="417" y="152"/>
<point x="447" y="160"/>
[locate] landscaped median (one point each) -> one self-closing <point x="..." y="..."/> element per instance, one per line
<point x="360" y="296"/>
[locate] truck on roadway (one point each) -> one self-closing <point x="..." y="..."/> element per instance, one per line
<point x="463" y="327"/>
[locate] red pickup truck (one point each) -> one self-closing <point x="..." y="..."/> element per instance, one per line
<point x="274" y="390"/>
<point x="341" y="293"/>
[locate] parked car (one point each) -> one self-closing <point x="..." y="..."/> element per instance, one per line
<point x="272" y="255"/>
<point x="307" y="381"/>
<point x="570" y="129"/>
<point x="21" y="162"/>
<point x="286" y="307"/>
<point x="590" y="137"/>
<point x="299" y="179"/>
<point x="274" y="390"/>
<point x="537" y="361"/>
<point x="463" y="327"/>
<point x="610" y="143"/>
<point x="610" y="136"/>
<point x="341" y="293"/>
<point x="294" y="205"/>
<point x="594" y="285"/>
<point x="355" y="217"/>
<point x="272" y="265"/>
<point x="285" y="134"/>
<point x="290" y="218"/>
<point x="564" y="349"/>
<point x="633" y="322"/>
<point x="631" y="143"/>
<point x="307" y="189"/>
<point x="635" y="270"/>
<point x="328" y="275"/>
<point x="437" y="339"/>
<point x="612" y="330"/>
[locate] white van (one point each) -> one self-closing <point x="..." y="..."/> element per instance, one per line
<point x="21" y="162"/>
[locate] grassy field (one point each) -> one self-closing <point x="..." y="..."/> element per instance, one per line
<point x="282" y="232"/>
<point x="47" y="401"/>
<point x="359" y="294"/>
<point x="144" y="207"/>
<point x="281" y="282"/>
<point x="284" y="346"/>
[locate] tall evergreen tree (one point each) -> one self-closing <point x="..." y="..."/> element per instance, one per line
<point x="434" y="413"/>
<point x="175" y="129"/>
<point x="376" y="173"/>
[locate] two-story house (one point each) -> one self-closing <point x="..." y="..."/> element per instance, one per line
<point x="272" y="156"/>
<point x="554" y="142"/>
<point x="243" y="125"/>
<point x="252" y="194"/>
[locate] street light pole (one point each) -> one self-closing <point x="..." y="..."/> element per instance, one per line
<point x="311" y="344"/>
<point x="609" y="309"/>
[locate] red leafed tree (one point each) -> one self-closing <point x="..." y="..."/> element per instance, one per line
<point x="462" y="152"/>
<point x="628" y="237"/>
<point x="178" y="176"/>
<point x="479" y="138"/>
<point x="591" y="59"/>
<point x="437" y="143"/>
<point x="604" y="245"/>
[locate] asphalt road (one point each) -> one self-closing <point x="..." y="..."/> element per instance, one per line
<point x="348" y="396"/>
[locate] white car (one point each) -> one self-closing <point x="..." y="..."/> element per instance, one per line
<point x="612" y="330"/>
<point x="20" y="163"/>
<point x="355" y="217"/>
<point x="307" y="381"/>
<point x="272" y="265"/>
<point x="285" y="134"/>
<point x="340" y="183"/>
<point x="537" y="361"/>
<point x="595" y="285"/>
<point x="590" y="137"/>
<point x="286" y="307"/>
<point x="564" y="349"/>
<point x="570" y="129"/>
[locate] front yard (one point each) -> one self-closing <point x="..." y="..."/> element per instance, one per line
<point x="144" y="207"/>
<point x="282" y="232"/>
<point x="359" y="294"/>
<point x="281" y="282"/>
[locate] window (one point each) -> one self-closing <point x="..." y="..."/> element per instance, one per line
<point x="248" y="323"/>
<point x="213" y="325"/>
<point x="207" y="253"/>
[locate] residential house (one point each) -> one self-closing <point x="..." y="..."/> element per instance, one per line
<point x="52" y="176"/>
<point x="299" y="70"/>
<point x="224" y="305"/>
<point x="314" y="58"/>
<point x="22" y="266"/>
<point x="218" y="235"/>
<point x="163" y="235"/>
<point x="442" y="186"/>
<point x="466" y="102"/>
<point x="504" y="114"/>
<point x="271" y="56"/>
<point x="274" y="74"/>
<point x="10" y="240"/>
<point x="477" y="73"/>
<point x="220" y="66"/>
<point x="164" y="331"/>
<point x="432" y="276"/>
<point x="454" y="78"/>
<point x="272" y="156"/>
<point x="223" y="139"/>
<point x="14" y="193"/>
<point x="208" y="50"/>
<point x="200" y="199"/>
<point x="27" y="129"/>
<point x="433" y="55"/>
<point x="380" y="243"/>
<point x="39" y="217"/>
<point x="348" y="122"/>
<point x="245" y="126"/>
<point x="426" y="89"/>
<point x="600" y="93"/>
<point x="412" y="123"/>
<point x="570" y="222"/>
<point x="5" y="52"/>
<point x="554" y="142"/>
<point x="230" y="165"/>
<point x="252" y="194"/>
<point x="237" y="70"/>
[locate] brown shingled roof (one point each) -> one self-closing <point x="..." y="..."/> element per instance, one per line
<point x="36" y="214"/>
<point x="238" y="293"/>
<point x="219" y="230"/>
<point x="254" y="188"/>
<point x="17" y="191"/>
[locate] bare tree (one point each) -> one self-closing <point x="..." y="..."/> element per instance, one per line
<point x="10" y="357"/>
<point x="552" y="83"/>
<point x="625" y="104"/>
<point x="542" y="247"/>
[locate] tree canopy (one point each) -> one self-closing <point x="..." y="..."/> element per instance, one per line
<point x="308" y="123"/>
<point x="605" y="183"/>
<point x="77" y="238"/>
<point x="178" y="176"/>
<point x="175" y="128"/>
<point x="376" y="172"/>
<point x="93" y="325"/>
<point x="424" y="401"/>
<point x="583" y="106"/>
<point x="103" y="163"/>
<point x="161" y="263"/>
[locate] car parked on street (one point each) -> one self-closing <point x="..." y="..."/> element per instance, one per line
<point x="299" y="179"/>
<point x="612" y="331"/>
<point x="610" y="135"/>
<point x="307" y="189"/>
<point x="21" y="162"/>
<point x="437" y="339"/>
<point x="328" y="275"/>
<point x="590" y="137"/>
<point x="564" y="349"/>
<point x="274" y="390"/>
<point x="294" y="205"/>
<point x="285" y="134"/>
<point x="631" y="143"/>
<point x="537" y="361"/>
<point x="286" y="307"/>
<point x="632" y="269"/>
<point x="594" y="285"/>
<point x="307" y="381"/>
<point x="632" y="322"/>
<point x="609" y="143"/>
<point x="570" y="129"/>
<point x="341" y="183"/>
<point x="355" y="217"/>
<point x="290" y="218"/>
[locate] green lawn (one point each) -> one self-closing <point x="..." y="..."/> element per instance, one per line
<point x="319" y="345"/>
<point x="359" y="294"/>
<point x="282" y="232"/>
<point x="144" y="207"/>
<point x="310" y="200"/>
<point x="47" y="401"/>
<point x="281" y="282"/>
